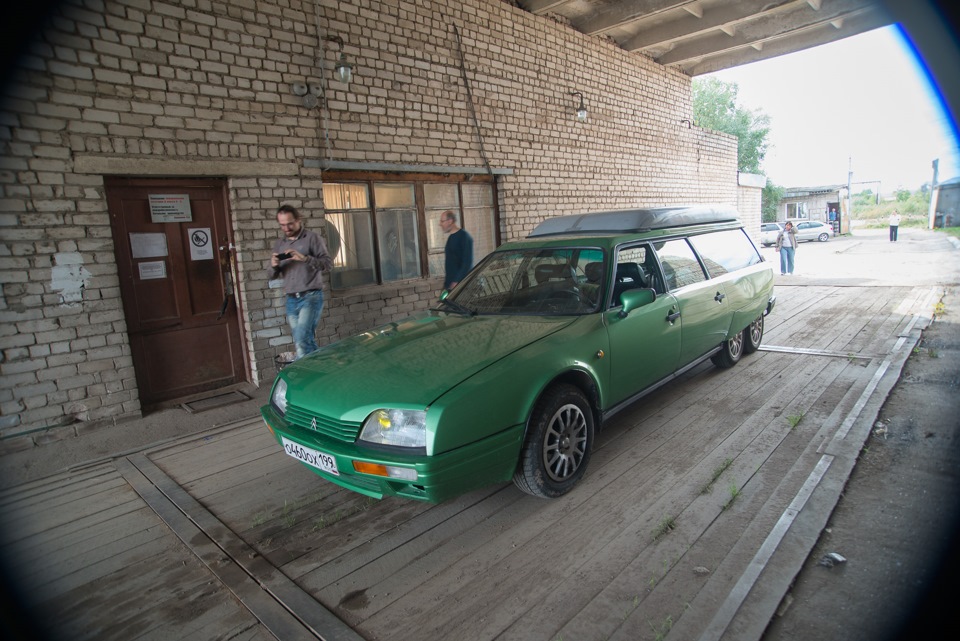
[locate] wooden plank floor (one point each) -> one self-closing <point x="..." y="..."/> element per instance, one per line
<point x="93" y="561"/>
<point x="681" y="492"/>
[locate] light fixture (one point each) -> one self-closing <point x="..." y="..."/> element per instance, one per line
<point x="308" y="92"/>
<point x="343" y="69"/>
<point x="581" y="110"/>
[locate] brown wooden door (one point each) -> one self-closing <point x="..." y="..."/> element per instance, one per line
<point x="174" y="257"/>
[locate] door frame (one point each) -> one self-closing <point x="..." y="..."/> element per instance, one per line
<point x="220" y="186"/>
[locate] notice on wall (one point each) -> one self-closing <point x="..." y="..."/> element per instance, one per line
<point x="201" y="245"/>
<point x="152" y="270"/>
<point x="148" y="245"/>
<point x="170" y="208"/>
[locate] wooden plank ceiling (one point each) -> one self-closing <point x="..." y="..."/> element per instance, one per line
<point x="703" y="36"/>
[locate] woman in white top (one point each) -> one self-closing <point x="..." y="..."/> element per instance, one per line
<point x="787" y="246"/>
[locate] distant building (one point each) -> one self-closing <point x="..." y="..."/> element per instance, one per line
<point x="945" y="204"/>
<point x="816" y="203"/>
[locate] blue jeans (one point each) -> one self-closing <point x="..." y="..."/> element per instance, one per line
<point x="303" y="314"/>
<point x="786" y="259"/>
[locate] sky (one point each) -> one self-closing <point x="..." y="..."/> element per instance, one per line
<point x="861" y="104"/>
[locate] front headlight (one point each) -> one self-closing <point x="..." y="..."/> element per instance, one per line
<point x="404" y="428"/>
<point x="279" y="398"/>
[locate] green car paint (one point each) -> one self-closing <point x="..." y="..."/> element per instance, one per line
<point x="533" y="336"/>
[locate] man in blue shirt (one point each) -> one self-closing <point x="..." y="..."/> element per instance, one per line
<point x="458" y="252"/>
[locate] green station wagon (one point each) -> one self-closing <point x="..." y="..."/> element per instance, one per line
<point x="512" y="375"/>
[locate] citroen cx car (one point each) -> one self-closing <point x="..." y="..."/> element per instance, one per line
<point x="511" y="376"/>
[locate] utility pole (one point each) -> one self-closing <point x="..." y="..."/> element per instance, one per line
<point x="849" y="195"/>
<point x="934" y="196"/>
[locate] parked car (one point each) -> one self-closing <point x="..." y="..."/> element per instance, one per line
<point x="769" y="232"/>
<point x="812" y="230"/>
<point x="512" y="374"/>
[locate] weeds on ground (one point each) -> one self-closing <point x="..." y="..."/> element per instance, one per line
<point x="795" y="419"/>
<point x="339" y="515"/>
<point x="734" y="493"/>
<point x="660" y="632"/>
<point x="327" y="521"/>
<point x="717" y="471"/>
<point x="289" y="518"/>
<point x="666" y="525"/>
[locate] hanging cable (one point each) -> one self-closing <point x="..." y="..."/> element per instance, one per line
<point x="473" y="109"/>
<point x="324" y="108"/>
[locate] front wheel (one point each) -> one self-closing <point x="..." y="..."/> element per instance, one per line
<point x="823" y="237"/>
<point x="752" y="336"/>
<point x="558" y="443"/>
<point x="730" y="352"/>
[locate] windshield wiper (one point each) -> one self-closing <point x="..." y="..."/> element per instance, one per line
<point x="457" y="307"/>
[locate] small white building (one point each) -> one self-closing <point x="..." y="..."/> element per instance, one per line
<point x="826" y="203"/>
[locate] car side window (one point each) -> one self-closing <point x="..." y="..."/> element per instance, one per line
<point x="680" y="264"/>
<point x="725" y="251"/>
<point x="632" y="271"/>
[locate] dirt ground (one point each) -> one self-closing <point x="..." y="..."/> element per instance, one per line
<point x="898" y="520"/>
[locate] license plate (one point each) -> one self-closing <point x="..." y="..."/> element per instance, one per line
<point x="310" y="456"/>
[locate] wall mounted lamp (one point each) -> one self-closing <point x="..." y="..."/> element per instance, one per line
<point x="581" y="110"/>
<point x="343" y="69"/>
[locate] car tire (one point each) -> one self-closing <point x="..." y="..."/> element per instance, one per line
<point x="824" y="237"/>
<point x="752" y="336"/>
<point x="558" y="443"/>
<point x="730" y="352"/>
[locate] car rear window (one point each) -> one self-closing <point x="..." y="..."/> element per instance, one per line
<point x="725" y="251"/>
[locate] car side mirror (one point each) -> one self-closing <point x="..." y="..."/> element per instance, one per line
<point x="634" y="298"/>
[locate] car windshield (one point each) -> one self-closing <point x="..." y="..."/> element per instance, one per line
<point x="537" y="282"/>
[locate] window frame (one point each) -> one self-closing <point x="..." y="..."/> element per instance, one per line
<point x="418" y="180"/>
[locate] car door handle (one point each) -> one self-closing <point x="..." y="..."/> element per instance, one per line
<point x="719" y="297"/>
<point x="672" y="316"/>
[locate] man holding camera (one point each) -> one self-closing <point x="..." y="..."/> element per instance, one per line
<point x="300" y="258"/>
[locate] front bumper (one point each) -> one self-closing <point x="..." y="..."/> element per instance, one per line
<point x="439" y="477"/>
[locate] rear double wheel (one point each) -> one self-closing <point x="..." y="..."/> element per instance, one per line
<point x="730" y="352"/>
<point x="752" y="336"/>
<point x="558" y="443"/>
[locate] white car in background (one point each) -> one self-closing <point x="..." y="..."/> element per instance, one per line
<point x="769" y="232"/>
<point x="812" y="230"/>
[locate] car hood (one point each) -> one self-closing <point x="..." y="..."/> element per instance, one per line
<point x="409" y="363"/>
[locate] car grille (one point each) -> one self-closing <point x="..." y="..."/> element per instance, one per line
<point x="341" y="431"/>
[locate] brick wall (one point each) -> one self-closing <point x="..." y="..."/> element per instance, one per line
<point x="202" y="88"/>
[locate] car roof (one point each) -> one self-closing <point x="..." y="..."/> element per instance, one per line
<point x="635" y="220"/>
